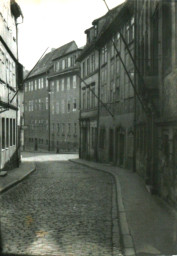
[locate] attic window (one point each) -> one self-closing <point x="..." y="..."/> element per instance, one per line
<point x="95" y="30"/>
<point x="88" y="37"/>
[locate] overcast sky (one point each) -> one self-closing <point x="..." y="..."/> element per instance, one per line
<point x="52" y="23"/>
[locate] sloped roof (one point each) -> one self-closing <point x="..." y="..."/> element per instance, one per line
<point x="63" y="50"/>
<point x="46" y="62"/>
<point x="103" y="23"/>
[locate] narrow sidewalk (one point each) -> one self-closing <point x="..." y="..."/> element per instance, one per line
<point x="148" y="225"/>
<point x="16" y="175"/>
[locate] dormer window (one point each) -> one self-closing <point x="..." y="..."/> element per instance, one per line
<point x="88" y="37"/>
<point x="95" y="30"/>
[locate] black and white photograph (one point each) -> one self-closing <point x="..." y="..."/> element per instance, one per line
<point x="88" y="127"/>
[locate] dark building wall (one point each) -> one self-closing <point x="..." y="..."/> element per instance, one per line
<point x="64" y="117"/>
<point x="112" y="120"/>
<point x="52" y="102"/>
<point x="36" y="113"/>
<point x="156" y="136"/>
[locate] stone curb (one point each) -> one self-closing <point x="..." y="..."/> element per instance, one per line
<point x="15" y="182"/>
<point x="127" y="240"/>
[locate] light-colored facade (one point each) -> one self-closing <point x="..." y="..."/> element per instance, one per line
<point x="11" y="76"/>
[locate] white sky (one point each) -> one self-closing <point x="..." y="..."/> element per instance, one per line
<point x="52" y="23"/>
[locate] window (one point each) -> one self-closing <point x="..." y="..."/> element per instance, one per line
<point x="69" y="62"/>
<point x="14" y="131"/>
<point x="88" y="98"/>
<point x="58" y="128"/>
<point x="58" y="84"/>
<point x="74" y="82"/>
<point x="3" y="133"/>
<point x="92" y="66"/>
<point x="102" y="138"/>
<point x="117" y="66"/>
<point x="84" y="99"/>
<point x="7" y="132"/>
<point x="68" y="83"/>
<point x="69" y="129"/>
<point x="39" y="102"/>
<point x="63" y="129"/>
<point x="104" y="55"/>
<point x="46" y="82"/>
<point x="69" y="106"/>
<point x="53" y="109"/>
<point x="112" y="48"/>
<point x="112" y="90"/>
<point x="57" y="108"/>
<point x="53" y="127"/>
<point x="93" y="97"/>
<point x="75" y="128"/>
<point x="39" y="83"/>
<point x="93" y="137"/>
<point x="32" y="86"/>
<point x="95" y="30"/>
<point x="62" y="84"/>
<point x="35" y="84"/>
<point x="74" y="104"/>
<point x="88" y="66"/>
<point x="52" y="87"/>
<point x="63" y="106"/>
<point x="42" y="83"/>
<point x="83" y="69"/>
<point x="66" y="62"/>
<point x="112" y="69"/>
<point x="63" y="64"/>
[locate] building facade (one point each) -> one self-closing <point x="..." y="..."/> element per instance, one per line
<point x="107" y="133"/>
<point x="156" y="43"/>
<point x="136" y="70"/>
<point x="52" y="102"/>
<point x="11" y="80"/>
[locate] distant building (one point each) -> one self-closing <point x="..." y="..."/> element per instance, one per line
<point x="52" y="102"/>
<point x="107" y="124"/>
<point x="11" y="79"/>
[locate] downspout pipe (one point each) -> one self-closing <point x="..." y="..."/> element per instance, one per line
<point x="98" y="113"/>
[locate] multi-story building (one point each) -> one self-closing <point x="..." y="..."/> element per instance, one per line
<point x="36" y="105"/>
<point x="52" y="102"/>
<point x="64" y="84"/>
<point x="89" y="64"/>
<point x="156" y="51"/>
<point x="11" y="79"/>
<point x="107" y="97"/>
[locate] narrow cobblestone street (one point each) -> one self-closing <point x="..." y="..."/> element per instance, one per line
<point x="61" y="209"/>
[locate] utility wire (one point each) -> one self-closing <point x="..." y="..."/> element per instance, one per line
<point x="103" y="104"/>
<point x="146" y="109"/>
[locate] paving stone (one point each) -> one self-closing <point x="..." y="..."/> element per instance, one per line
<point x="61" y="209"/>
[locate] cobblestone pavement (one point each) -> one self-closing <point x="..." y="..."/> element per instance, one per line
<point x="62" y="209"/>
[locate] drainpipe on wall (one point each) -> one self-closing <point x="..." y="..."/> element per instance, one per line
<point x="49" y="92"/>
<point x="79" y="117"/>
<point x="135" y="83"/>
<point x="98" y="113"/>
<point x="18" y="128"/>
